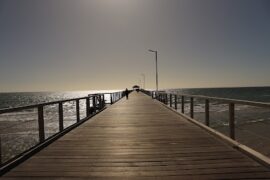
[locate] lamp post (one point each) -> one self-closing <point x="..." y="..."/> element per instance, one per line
<point x="156" y="70"/>
<point x="143" y="75"/>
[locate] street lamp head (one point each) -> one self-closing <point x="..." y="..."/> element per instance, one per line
<point x="151" y="50"/>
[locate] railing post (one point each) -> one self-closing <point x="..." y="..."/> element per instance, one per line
<point x="207" y="112"/>
<point x="231" y="120"/>
<point x="94" y="100"/>
<point x="78" y="109"/>
<point x="163" y="99"/>
<point x="103" y="100"/>
<point x="170" y="100"/>
<point x="183" y="104"/>
<point x="191" y="108"/>
<point x="87" y="106"/>
<point x="0" y="151"/>
<point x="41" y="129"/>
<point x="99" y="102"/>
<point x="175" y="102"/>
<point x="111" y="98"/>
<point x="61" y="119"/>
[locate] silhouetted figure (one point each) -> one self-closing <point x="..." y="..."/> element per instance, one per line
<point x="126" y="93"/>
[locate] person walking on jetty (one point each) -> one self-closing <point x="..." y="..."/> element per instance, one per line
<point x="126" y="93"/>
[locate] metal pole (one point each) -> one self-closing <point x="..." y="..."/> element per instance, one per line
<point x="156" y="69"/>
<point x="156" y="72"/>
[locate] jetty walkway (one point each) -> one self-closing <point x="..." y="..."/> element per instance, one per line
<point x="138" y="138"/>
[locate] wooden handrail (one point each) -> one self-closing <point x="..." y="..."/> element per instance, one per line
<point x="226" y="100"/>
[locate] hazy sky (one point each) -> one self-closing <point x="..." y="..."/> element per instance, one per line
<point x="102" y="44"/>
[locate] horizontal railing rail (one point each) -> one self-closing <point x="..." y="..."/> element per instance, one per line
<point x="93" y="104"/>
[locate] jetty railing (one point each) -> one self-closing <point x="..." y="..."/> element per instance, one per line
<point x="185" y="104"/>
<point x="38" y="128"/>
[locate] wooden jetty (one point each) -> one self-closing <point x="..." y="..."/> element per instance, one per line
<point x="139" y="138"/>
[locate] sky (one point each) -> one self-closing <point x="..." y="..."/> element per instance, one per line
<point x="65" y="45"/>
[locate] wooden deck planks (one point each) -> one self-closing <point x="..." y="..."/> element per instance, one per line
<point x="138" y="138"/>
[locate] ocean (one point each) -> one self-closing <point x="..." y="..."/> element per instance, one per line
<point x="18" y="131"/>
<point x="260" y="94"/>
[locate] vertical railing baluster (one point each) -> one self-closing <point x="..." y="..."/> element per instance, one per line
<point x="87" y="106"/>
<point x="61" y="118"/>
<point x="191" y="108"/>
<point x="207" y="112"/>
<point x="41" y="129"/>
<point x="231" y="120"/>
<point x="183" y="104"/>
<point x="175" y="102"/>
<point x="170" y="100"/>
<point x="78" y="109"/>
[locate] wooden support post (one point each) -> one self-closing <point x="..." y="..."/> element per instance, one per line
<point x="1" y="151"/>
<point x="111" y="98"/>
<point x="163" y="99"/>
<point x="183" y="104"/>
<point x="207" y="112"/>
<point x="61" y="118"/>
<point x="87" y="106"/>
<point x="78" y="110"/>
<point x="170" y="100"/>
<point x="103" y="100"/>
<point x="231" y="120"/>
<point x="94" y="100"/>
<point x="99" y="102"/>
<point x="191" y="108"/>
<point x="41" y="129"/>
<point x="175" y="102"/>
